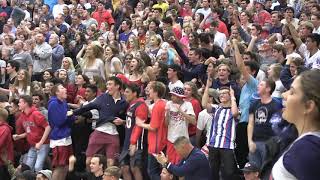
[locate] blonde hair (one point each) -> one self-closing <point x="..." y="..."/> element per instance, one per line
<point x="71" y="66"/>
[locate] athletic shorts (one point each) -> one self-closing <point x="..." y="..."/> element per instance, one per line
<point x="132" y="161"/>
<point x="60" y="155"/>
<point x="103" y="143"/>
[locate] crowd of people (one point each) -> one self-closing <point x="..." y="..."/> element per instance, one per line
<point x="159" y="89"/>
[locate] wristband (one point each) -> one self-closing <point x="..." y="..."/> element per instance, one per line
<point x="165" y="165"/>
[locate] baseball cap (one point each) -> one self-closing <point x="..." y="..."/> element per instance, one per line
<point x="215" y="94"/>
<point x="260" y="2"/>
<point x="46" y="173"/>
<point x="250" y="167"/>
<point x="3" y="14"/>
<point x="178" y="91"/>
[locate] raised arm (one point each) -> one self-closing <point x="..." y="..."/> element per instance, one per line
<point x="239" y="61"/>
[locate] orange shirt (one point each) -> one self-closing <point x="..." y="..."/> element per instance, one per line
<point x="157" y="139"/>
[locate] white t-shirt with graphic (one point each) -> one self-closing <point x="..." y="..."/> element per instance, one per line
<point x="177" y="125"/>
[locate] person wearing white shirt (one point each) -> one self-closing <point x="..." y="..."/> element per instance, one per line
<point x="205" y="10"/>
<point x="315" y="20"/>
<point x="58" y="8"/>
<point x="174" y="72"/>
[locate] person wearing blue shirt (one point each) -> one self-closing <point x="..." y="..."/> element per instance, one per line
<point x="194" y="164"/>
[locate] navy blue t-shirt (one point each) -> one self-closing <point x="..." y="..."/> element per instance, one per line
<point x="265" y="115"/>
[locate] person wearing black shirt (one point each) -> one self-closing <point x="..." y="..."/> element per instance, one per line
<point x="97" y="165"/>
<point x="12" y="69"/>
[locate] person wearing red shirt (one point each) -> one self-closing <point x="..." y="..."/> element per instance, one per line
<point x="215" y="16"/>
<point x="6" y="144"/>
<point x="36" y="130"/>
<point x="192" y="96"/>
<point x="186" y="10"/>
<point x="157" y="129"/>
<point x="262" y="17"/>
<point x="103" y="15"/>
<point x="132" y="152"/>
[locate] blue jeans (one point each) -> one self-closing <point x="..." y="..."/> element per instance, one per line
<point x="260" y="155"/>
<point x="154" y="168"/>
<point x="36" y="158"/>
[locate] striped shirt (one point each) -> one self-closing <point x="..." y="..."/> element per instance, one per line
<point x="223" y="128"/>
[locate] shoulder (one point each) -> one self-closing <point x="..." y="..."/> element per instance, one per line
<point x="299" y="160"/>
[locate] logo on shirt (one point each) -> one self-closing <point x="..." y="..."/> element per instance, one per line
<point x="261" y="115"/>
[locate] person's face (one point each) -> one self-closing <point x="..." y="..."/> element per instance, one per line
<point x="75" y="20"/>
<point x="63" y="75"/>
<point x="129" y="95"/>
<point x="314" y="20"/>
<point x="253" y="31"/>
<point x="310" y="44"/>
<point x="62" y="38"/>
<point x="89" y="94"/>
<point x="188" y="91"/>
<point x="61" y="92"/>
<point x="243" y="5"/>
<point x="111" y="36"/>
<point x="152" y="26"/>
<point x="112" y="87"/>
<point x="133" y="64"/>
<point x="224" y="96"/>
<point x="79" y="80"/>
<point x="276" y="54"/>
<point x="53" y="40"/>
<point x="155" y="68"/>
<point x="293" y="69"/>
<point x="165" y="175"/>
<point x="17" y="45"/>
<point x="275" y="19"/>
<point x="171" y="73"/>
<point x="258" y="6"/>
<point x="22" y="105"/>
<point x="94" y="165"/>
<point x="47" y="87"/>
<point x="108" y="51"/>
<point x="293" y="102"/>
<point x="100" y="7"/>
<point x="287" y="44"/>
<point x="205" y="3"/>
<point x="289" y="14"/>
<point x="21" y="37"/>
<point x="9" y="68"/>
<point x="223" y="73"/>
<point x="39" y="38"/>
<point x="124" y="26"/>
<point x="65" y="11"/>
<point x="65" y="64"/>
<point x="44" y="9"/>
<point x="243" y="17"/>
<point x="270" y="72"/>
<point x="36" y="101"/>
<point x="210" y="69"/>
<point x="304" y="17"/>
<point x="235" y="34"/>
<point x="192" y="56"/>
<point x="153" y="41"/>
<point x="46" y="75"/>
<point x="262" y="87"/>
<point x="251" y="175"/>
<point x="89" y="50"/>
<point x="175" y="99"/>
<point x="21" y="75"/>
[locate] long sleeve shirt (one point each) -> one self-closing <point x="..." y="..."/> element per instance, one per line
<point x="195" y="166"/>
<point x="42" y="57"/>
<point x="189" y="70"/>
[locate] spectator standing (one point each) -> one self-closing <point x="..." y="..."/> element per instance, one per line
<point x="42" y="57"/>
<point x="36" y="130"/>
<point x="60" y="136"/>
<point x="57" y="52"/>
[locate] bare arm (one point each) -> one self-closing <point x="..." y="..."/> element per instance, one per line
<point x="45" y="134"/>
<point x="239" y="61"/>
<point x="250" y="128"/>
<point x="295" y="35"/>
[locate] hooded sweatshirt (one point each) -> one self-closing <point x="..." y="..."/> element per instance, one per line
<point x="34" y="124"/>
<point x="6" y="143"/>
<point x="57" y="116"/>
